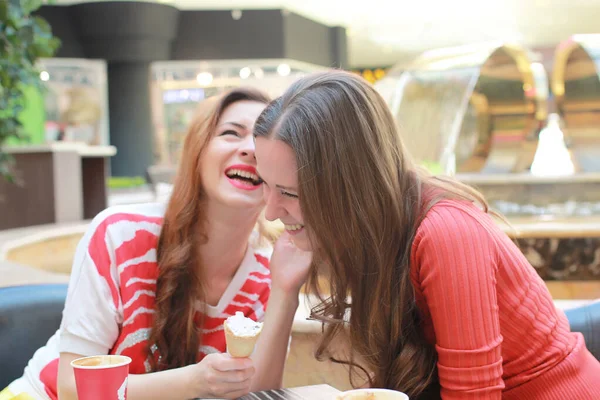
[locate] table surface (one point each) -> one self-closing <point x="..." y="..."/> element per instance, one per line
<point x="316" y="392"/>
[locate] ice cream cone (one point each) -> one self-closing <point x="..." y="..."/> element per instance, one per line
<point x="240" y="346"/>
<point x="241" y="339"/>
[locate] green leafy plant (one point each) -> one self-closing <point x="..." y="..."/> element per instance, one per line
<point x="126" y="182"/>
<point x="24" y="38"/>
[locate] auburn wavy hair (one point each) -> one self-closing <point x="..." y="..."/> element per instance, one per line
<point x="362" y="198"/>
<point x="175" y="336"/>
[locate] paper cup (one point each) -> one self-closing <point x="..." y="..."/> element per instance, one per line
<point x="372" y="394"/>
<point x="101" y="377"/>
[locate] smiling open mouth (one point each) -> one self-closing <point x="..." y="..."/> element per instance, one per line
<point x="294" y="229"/>
<point x="244" y="177"/>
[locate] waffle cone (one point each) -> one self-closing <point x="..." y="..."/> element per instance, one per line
<point x="239" y="346"/>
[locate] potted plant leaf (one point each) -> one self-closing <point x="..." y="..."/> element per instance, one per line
<point x="24" y="38"/>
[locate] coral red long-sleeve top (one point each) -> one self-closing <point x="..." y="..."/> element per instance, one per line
<point x="496" y="330"/>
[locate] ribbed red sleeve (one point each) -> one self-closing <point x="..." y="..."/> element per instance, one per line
<point x="490" y="316"/>
<point x="457" y="267"/>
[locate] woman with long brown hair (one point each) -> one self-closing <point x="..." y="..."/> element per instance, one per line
<point x="432" y="297"/>
<point x="155" y="284"/>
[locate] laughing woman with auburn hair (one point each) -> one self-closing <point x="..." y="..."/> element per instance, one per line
<point x="156" y="283"/>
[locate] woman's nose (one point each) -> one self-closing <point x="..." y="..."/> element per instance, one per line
<point x="247" y="147"/>
<point x="273" y="210"/>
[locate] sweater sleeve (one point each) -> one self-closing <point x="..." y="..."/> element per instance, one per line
<point x="91" y="317"/>
<point x="456" y="260"/>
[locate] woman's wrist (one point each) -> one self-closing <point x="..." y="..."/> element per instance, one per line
<point x="285" y="296"/>
<point x="178" y="383"/>
<point x="190" y="381"/>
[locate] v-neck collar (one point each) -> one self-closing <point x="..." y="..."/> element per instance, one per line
<point x="233" y="288"/>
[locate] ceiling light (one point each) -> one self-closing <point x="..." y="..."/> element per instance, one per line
<point x="204" y="78"/>
<point x="283" y="69"/>
<point x="236" y="14"/>
<point x="245" y="73"/>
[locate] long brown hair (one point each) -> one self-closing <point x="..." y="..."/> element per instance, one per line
<point x="362" y="199"/>
<point x="175" y="334"/>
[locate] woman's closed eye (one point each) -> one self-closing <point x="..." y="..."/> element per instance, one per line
<point x="230" y="132"/>
<point x="288" y="194"/>
<point x="282" y="191"/>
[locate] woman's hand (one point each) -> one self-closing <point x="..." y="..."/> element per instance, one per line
<point x="289" y="265"/>
<point x="289" y="268"/>
<point x="221" y="376"/>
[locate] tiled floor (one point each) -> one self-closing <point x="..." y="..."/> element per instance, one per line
<point x="13" y="274"/>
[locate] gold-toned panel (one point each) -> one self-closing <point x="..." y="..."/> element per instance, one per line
<point x="469" y="109"/>
<point x="576" y="85"/>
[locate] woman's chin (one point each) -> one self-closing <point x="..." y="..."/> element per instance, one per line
<point x="239" y="201"/>
<point x="250" y="203"/>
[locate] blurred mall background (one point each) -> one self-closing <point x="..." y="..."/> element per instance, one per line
<point x="505" y="95"/>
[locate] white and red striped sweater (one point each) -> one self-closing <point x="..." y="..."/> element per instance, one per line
<point x="110" y="303"/>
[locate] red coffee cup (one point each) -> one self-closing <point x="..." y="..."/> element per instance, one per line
<point x="101" y="377"/>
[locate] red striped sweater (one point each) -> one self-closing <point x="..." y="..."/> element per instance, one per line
<point x="490" y="315"/>
<point x="110" y="304"/>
